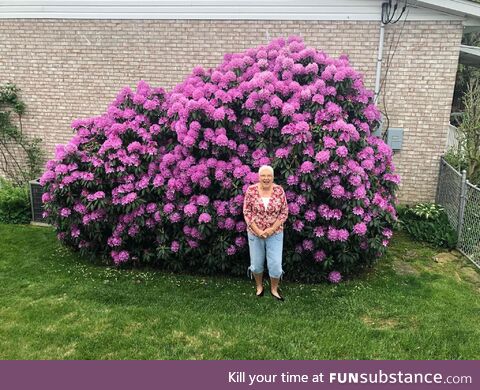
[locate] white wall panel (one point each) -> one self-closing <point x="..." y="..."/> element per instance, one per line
<point x="209" y="9"/>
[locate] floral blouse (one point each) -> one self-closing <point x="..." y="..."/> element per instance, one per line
<point x="254" y="209"/>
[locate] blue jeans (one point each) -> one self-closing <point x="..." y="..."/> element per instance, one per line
<point x="272" y="247"/>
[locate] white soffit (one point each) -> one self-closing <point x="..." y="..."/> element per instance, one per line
<point x="460" y="7"/>
<point x="469" y="10"/>
<point x="217" y="9"/>
<point x="470" y="55"/>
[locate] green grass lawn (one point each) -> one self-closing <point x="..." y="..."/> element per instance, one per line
<point x="416" y="304"/>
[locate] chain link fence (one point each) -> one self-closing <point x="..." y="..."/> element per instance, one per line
<point x="461" y="201"/>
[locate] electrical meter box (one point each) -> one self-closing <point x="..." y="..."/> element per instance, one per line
<point x="395" y="138"/>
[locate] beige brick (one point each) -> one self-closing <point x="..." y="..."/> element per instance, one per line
<point x="70" y="69"/>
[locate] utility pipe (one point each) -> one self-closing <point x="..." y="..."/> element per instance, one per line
<point x="379" y="62"/>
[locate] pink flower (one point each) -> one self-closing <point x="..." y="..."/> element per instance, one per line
<point x="308" y="245"/>
<point x="298" y="226"/>
<point x="168" y="208"/>
<point x="360" y="192"/>
<point x="323" y="156"/>
<point x="360" y="229"/>
<point x="329" y="142"/>
<point x="393" y="178"/>
<point x="310" y="215"/>
<point x="355" y="180"/>
<point x="65" y="212"/>
<point x="204" y="218"/>
<point x="129" y="198"/>
<point x="317" y="98"/>
<point x="259" y="128"/>
<point x="306" y="167"/>
<point x="387" y="233"/>
<point x="121" y="257"/>
<point x="95" y="196"/>
<point x="138" y="99"/>
<point x="335" y="277"/>
<point x="221" y="140"/>
<point x="133" y="230"/>
<point x="99" y="195"/>
<point x="338" y="191"/>
<point x="47" y="177"/>
<point x="371" y="113"/>
<point x="202" y="200"/>
<point x="190" y="210"/>
<point x="287" y="109"/>
<point x="219" y="114"/>
<point x="80" y="208"/>
<point x="337" y="234"/>
<point x="192" y="243"/>
<point x="241" y="227"/>
<point x="75" y="232"/>
<point x="368" y="164"/>
<point x="229" y="224"/>
<point x="293" y="208"/>
<point x="151" y="208"/>
<point x="114" y="241"/>
<point x="292" y="180"/>
<point x="342" y="151"/>
<point x="46" y="197"/>
<point x="175" y="246"/>
<point x="231" y="250"/>
<point x="175" y="217"/>
<point x="282" y="152"/>
<point x="240" y="241"/>
<point x="150" y="105"/>
<point x="319" y="231"/>
<point x="319" y="256"/>
<point x="342" y="235"/>
<point x="358" y="211"/>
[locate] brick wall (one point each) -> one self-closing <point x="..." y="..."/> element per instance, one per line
<point x="69" y="69"/>
<point x="419" y="92"/>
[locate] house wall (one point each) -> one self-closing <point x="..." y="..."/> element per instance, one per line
<point x="418" y="96"/>
<point x="227" y="9"/>
<point x="72" y="68"/>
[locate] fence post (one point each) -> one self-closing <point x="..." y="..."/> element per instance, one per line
<point x="461" y="210"/>
<point x="439" y="179"/>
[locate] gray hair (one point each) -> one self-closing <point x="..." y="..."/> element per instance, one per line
<point x="267" y="167"/>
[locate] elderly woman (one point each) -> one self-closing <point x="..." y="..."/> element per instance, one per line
<point x="265" y="210"/>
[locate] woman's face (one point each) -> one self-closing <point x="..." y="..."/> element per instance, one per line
<point x="266" y="178"/>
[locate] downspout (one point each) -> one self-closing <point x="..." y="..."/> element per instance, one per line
<point x="379" y="62"/>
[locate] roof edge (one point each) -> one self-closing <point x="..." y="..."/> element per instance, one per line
<point x="458" y="7"/>
<point x="470" y="55"/>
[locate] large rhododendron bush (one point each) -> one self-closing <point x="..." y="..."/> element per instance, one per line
<point x="160" y="177"/>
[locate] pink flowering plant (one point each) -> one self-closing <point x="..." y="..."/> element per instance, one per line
<point x="160" y="177"/>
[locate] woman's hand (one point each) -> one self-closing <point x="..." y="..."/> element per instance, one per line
<point x="259" y="232"/>
<point x="264" y="233"/>
<point x="268" y="232"/>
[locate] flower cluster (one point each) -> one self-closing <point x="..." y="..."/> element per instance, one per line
<point x="161" y="176"/>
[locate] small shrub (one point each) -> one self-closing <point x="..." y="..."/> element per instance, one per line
<point x="428" y="222"/>
<point x="22" y="155"/>
<point x="14" y="203"/>
<point x="456" y="158"/>
<point x="469" y="131"/>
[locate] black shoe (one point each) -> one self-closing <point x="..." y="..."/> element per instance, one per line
<point x="279" y="298"/>
<point x="261" y="294"/>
